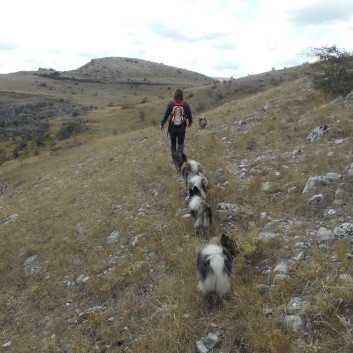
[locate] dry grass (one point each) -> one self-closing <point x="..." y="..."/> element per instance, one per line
<point x="143" y="285"/>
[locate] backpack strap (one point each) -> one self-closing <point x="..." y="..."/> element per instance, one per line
<point x="176" y="103"/>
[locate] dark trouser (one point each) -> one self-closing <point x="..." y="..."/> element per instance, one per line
<point x="177" y="133"/>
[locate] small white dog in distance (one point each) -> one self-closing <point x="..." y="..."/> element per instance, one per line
<point x="214" y="266"/>
<point x="202" y="122"/>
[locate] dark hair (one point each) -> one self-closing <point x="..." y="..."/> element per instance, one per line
<point x="178" y="94"/>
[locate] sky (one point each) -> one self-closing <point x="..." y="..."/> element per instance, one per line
<point x="217" y="38"/>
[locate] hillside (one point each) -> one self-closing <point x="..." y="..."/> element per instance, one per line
<point x="46" y="110"/>
<point x="39" y="110"/>
<point x="98" y="254"/>
<point x="135" y="71"/>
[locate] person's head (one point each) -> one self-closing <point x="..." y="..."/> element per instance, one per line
<point x="178" y="94"/>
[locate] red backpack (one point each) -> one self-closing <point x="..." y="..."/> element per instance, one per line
<point x="178" y="113"/>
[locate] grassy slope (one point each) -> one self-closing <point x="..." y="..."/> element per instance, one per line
<point x="69" y="201"/>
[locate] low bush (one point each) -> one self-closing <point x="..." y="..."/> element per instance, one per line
<point x="333" y="69"/>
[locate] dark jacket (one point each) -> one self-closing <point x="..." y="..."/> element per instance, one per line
<point x="169" y="109"/>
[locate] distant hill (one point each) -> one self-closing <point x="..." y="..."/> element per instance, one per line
<point x="128" y="70"/>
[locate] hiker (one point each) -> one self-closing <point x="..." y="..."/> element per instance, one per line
<point x="179" y="113"/>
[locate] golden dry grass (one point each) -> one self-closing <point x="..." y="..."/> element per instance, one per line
<point x="143" y="286"/>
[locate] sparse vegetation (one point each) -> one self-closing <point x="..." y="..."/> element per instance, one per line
<point x="333" y="69"/>
<point x="48" y="73"/>
<point x="97" y="255"/>
<point x="71" y="128"/>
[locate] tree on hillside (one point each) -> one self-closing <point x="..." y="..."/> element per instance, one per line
<point x="333" y="69"/>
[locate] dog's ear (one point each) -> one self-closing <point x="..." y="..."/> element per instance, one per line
<point x="224" y="239"/>
<point x="228" y="243"/>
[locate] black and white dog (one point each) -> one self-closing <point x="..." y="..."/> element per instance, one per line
<point x="189" y="169"/>
<point x="201" y="213"/>
<point x="179" y="157"/>
<point x="202" y="122"/>
<point x="198" y="185"/>
<point x="214" y="266"/>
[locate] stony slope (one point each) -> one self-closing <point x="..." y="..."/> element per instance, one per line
<point x="98" y="256"/>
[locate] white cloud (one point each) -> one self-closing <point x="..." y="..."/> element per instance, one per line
<point x="213" y="37"/>
<point x="322" y="12"/>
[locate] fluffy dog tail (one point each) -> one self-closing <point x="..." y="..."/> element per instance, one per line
<point x="211" y="267"/>
<point x="201" y="213"/>
<point x="198" y="185"/>
<point x="190" y="168"/>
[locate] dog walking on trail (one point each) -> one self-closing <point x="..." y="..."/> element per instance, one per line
<point x="214" y="266"/>
<point x="179" y="116"/>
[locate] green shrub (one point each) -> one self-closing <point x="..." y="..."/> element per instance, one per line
<point x="333" y="70"/>
<point x="71" y="128"/>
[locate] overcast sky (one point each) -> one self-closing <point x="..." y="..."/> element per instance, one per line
<point x="218" y="38"/>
